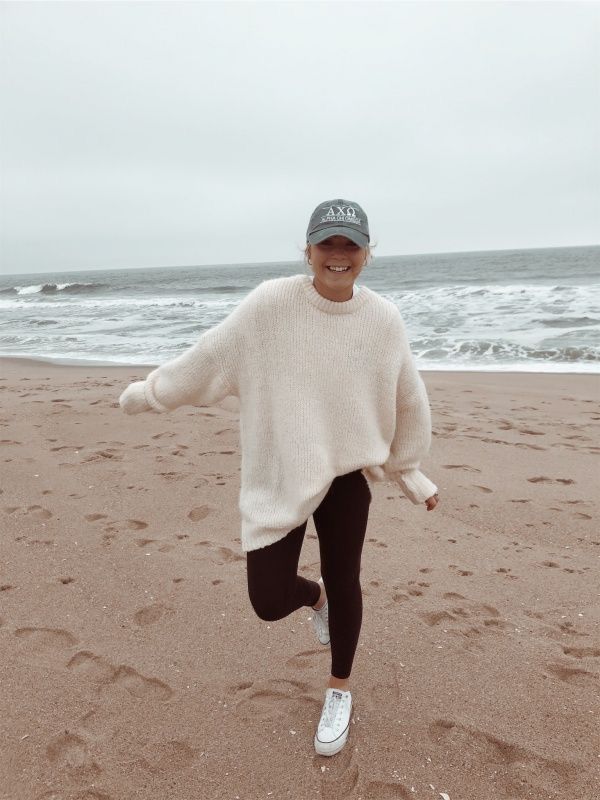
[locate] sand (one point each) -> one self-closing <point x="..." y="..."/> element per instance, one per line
<point x="133" y="665"/>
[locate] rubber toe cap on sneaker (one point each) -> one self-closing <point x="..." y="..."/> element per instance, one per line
<point x="327" y="746"/>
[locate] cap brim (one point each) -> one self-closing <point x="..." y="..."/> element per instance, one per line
<point x="339" y="230"/>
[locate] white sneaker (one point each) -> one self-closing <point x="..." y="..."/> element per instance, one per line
<point x="334" y="724"/>
<point x="320" y="620"/>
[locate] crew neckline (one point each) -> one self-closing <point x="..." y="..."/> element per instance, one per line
<point x="357" y="300"/>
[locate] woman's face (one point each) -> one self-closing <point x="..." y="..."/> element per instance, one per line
<point x="337" y="251"/>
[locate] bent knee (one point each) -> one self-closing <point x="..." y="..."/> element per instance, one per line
<point x="267" y="608"/>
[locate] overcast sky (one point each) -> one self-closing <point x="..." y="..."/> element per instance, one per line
<point x="149" y="133"/>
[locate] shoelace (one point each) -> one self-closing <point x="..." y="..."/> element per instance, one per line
<point x="333" y="710"/>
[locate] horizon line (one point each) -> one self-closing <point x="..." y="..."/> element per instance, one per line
<point x="294" y="261"/>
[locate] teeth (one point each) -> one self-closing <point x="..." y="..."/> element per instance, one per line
<point x="338" y="269"/>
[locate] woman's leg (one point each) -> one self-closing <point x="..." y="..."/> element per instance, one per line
<point x="274" y="586"/>
<point x="341" y="524"/>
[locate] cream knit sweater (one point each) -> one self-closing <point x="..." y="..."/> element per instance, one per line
<point x="325" y="388"/>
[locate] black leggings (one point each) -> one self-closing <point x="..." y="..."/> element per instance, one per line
<point x="276" y="589"/>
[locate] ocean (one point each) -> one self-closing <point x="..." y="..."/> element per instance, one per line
<point x="512" y="310"/>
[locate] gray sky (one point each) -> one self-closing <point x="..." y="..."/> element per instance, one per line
<point x="147" y="134"/>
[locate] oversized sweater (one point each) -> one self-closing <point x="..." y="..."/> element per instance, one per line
<point x="325" y="388"/>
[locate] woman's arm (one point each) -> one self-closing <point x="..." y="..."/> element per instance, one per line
<point x="194" y="378"/>
<point x="204" y="374"/>
<point x="412" y="438"/>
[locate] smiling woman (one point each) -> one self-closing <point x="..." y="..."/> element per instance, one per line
<point x="337" y="248"/>
<point x="330" y="396"/>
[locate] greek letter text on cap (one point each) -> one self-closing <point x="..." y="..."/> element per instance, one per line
<point x="338" y="217"/>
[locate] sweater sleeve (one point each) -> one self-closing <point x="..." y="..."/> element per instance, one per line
<point x="412" y="437"/>
<point x="201" y="376"/>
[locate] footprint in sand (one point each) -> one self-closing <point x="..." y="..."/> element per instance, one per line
<point x="173" y="476"/>
<point x="435" y="617"/>
<point x="305" y="658"/>
<point x="345" y="777"/>
<point x="482" y="488"/>
<point x="169" y="756"/>
<point x="582" y="652"/>
<point x="94" y="517"/>
<point x="377" y="543"/>
<point x="506" y="572"/>
<point x="201" y="512"/>
<point x="144" y="542"/>
<point x="45" y="638"/>
<point x="36" y="511"/>
<point x="462" y="572"/>
<point x="413" y="591"/>
<point x="104" y="455"/>
<point x="571" y="674"/>
<point x="517" y="764"/>
<point x="70" y="754"/>
<point x="274" y="699"/>
<point x="44" y="645"/>
<point x="101" y="672"/>
<point x="220" y="555"/>
<point x="136" y="524"/>
<point x="381" y="790"/>
<point x="151" y="614"/>
<point x="165" y="547"/>
<point x="463" y="620"/>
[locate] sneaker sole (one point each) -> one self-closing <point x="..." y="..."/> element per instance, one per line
<point x="331" y="748"/>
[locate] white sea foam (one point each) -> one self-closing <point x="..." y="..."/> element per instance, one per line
<point x="509" y="310"/>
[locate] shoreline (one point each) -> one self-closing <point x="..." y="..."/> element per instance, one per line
<point x="25" y="360"/>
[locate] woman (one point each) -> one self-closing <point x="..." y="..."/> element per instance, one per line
<point x="329" y="392"/>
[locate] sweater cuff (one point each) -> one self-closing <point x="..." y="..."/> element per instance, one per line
<point x="151" y="397"/>
<point x="416" y="486"/>
<point x="133" y="399"/>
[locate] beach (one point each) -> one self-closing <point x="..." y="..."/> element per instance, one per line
<point x="133" y="666"/>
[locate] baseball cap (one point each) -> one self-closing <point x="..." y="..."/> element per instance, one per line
<point x="338" y="218"/>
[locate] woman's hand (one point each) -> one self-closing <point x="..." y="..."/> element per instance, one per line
<point x="432" y="502"/>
